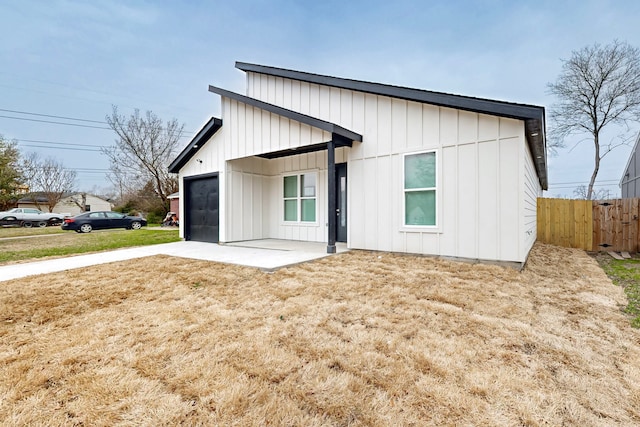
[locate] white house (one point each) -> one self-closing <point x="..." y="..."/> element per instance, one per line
<point x="73" y="203"/>
<point x="70" y="204"/>
<point x="317" y="158"/>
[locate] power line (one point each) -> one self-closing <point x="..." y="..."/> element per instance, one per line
<point x="185" y="132"/>
<point x="56" y="123"/>
<point x="607" y="181"/>
<point x="89" y="170"/>
<point x="39" y="141"/>
<point x="573" y="186"/>
<point x="82" y="89"/>
<point x="60" y="148"/>
<point x="55" y="117"/>
<point x="582" y="182"/>
<point x="61" y="145"/>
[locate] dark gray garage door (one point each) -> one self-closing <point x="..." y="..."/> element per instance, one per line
<point x="201" y="208"/>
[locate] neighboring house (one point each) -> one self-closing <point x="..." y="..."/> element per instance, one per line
<point x="630" y="182"/>
<point x="174" y="202"/>
<point x="317" y="158"/>
<point x="70" y="204"/>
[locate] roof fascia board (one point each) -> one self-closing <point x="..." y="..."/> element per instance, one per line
<point x="340" y="142"/>
<point x="293" y="115"/>
<point x="208" y="130"/>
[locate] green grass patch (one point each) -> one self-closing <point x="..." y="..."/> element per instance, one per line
<point x="71" y="243"/>
<point x="625" y="273"/>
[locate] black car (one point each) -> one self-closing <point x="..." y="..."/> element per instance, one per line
<point x="99" y="220"/>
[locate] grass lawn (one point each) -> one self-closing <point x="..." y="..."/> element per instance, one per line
<point x="625" y="273"/>
<point x="35" y="231"/>
<point x="25" y="244"/>
<point x="354" y="339"/>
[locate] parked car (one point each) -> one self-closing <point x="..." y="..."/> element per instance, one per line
<point x="99" y="220"/>
<point x="29" y="217"/>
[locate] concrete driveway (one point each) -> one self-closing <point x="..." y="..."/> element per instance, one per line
<point x="266" y="254"/>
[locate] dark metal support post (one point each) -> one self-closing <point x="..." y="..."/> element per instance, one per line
<point x="331" y="194"/>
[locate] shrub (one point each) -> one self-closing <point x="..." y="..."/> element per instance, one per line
<point x="154" y="218"/>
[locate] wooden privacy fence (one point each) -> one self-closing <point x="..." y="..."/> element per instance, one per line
<point x="592" y="225"/>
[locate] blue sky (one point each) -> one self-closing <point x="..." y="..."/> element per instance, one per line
<point x="78" y="58"/>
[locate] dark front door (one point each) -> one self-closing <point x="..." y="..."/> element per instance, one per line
<point x="201" y="209"/>
<point x="341" y="202"/>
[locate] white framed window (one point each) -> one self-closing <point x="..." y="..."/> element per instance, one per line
<point x="299" y="197"/>
<point x="420" y="189"/>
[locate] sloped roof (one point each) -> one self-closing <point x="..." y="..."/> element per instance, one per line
<point x="290" y="114"/>
<point x="40" y="197"/>
<point x="214" y="124"/>
<point x="532" y="115"/>
<point x="208" y="130"/>
<point x="626" y="168"/>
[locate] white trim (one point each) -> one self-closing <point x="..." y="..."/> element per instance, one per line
<point x="423" y="228"/>
<point x="299" y="198"/>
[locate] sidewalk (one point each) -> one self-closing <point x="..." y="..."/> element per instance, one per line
<point x="264" y="254"/>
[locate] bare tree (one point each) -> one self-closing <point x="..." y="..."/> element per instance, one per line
<point x="47" y="178"/>
<point x="599" y="86"/>
<point x="80" y="200"/>
<point x="144" y="149"/>
<point x="581" y="192"/>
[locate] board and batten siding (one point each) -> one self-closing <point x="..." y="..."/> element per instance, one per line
<point x="486" y="179"/>
<point x="532" y="190"/>
<point x="252" y="187"/>
<point x="255" y="196"/>
<point x="248" y="185"/>
<point x="630" y="182"/>
<point x="478" y="198"/>
<point x="252" y="131"/>
<point x="210" y="158"/>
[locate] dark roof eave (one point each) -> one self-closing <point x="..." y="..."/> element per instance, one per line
<point x="536" y="141"/>
<point x="290" y="114"/>
<point x="208" y="130"/>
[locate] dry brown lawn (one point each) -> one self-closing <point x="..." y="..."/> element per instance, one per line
<point x="355" y="339"/>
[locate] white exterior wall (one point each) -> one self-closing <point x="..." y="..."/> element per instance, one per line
<point x="212" y="156"/>
<point x="532" y="190"/>
<point x="484" y="170"/>
<point x="253" y="185"/>
<point x="66" y="205"/>
<point x="255" y="196"/>
<point x="251" y="203"/>
<point x="251" y="131"/>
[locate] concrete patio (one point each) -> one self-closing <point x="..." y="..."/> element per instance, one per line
<point x="266" y="254"/>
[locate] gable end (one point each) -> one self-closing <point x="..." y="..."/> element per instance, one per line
<point x="208" y="130"/>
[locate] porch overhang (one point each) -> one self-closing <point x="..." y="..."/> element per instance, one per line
<point x="339" y="142"/>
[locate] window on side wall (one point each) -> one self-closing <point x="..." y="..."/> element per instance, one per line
<point x="420" y="189"/>
<point x="299" y="195"/>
